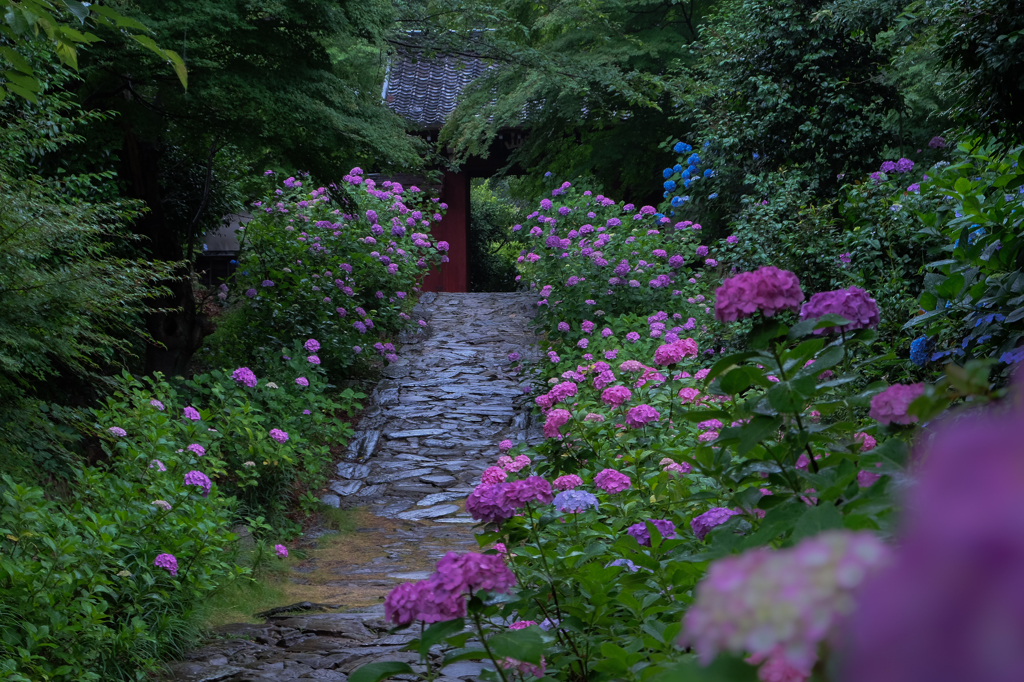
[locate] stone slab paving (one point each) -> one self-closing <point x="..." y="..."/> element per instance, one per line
<point x="432" y="426"/>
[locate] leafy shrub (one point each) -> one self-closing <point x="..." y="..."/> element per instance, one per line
<point x="311" y="262"/>
<point x="973" y="298"/>
<point x="81" y="595"/>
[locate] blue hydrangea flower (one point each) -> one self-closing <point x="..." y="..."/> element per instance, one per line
<point x="919" y="349"/>
<point x="686" y="174"/>
<point x="707" y="144"/>
<point x="667" y="173"/>
<point x="989" y="319"/>
<point x="677" y="201"/>
<point x="575" y="501"/>
<point x="630" y="566"/>
<point x="664" y="195"/>
<point x="756" y="156"/>
<point x="713" y="195"/>
<point x="669" y="186"/>
<point x="677" y="168"/>
<point x="686" y="183"/>
<point x="708" y="173"/>
<point x="682" y="148"/>
<point x="1013" y="357"/>
<point x="693" y="160"/>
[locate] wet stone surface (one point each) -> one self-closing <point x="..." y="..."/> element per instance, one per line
<point x="432" y="426"/>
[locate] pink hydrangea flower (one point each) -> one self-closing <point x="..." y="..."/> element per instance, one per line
<point x="530" y="489"/>
<point x="780" y="604"/>
<point x="492" y="475"/>
<point x="488" y="503"/>
<point x="168" y="562"/>
<point x="594" y="417"/>
<point x="688" y="395"/>
<point x="567" y="482"/>
<point x="459" y="574"/>
<point x="518" y="464"/>
<point x="198" y="478"/>
<point x="505" y="445"/>
<point x="279" y="435"/>
<point x="616" y="395"/>
<point x="949" y="607"/>
<point x="674" y="469"/>
<point x="191" y="413"/>
<point x="641" y="415"/>
<point x="715" y="516"/>
<point x="890" y="406"/>
<point x="556" y="419"/>
<point x="198" y="449"/>
<point x="767" y="289"/>
<point x="281" y="551"/>
<point x="312" y="345"/>
<point x="410" y="602"/>
<point x="867" y="443"/>
<point x="302" y="381"/>
<point x="612" y="481"/>
<point x="853" y="303"/>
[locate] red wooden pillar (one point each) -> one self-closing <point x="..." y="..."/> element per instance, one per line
<point x="454" y="229"/>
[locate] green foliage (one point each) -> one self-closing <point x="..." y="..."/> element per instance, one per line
<point x="775" y="88"/>
<point x="588" y="79"/>
<point x="293" y="85"/>
<point x="973" y="297"/>
<point x="81" y="597"/>
<point x="63" y="26"/>
<point x="982" y="43"/>
<point x="492" y="248"/>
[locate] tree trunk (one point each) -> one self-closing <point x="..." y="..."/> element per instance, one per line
<point x="178" y="333"/>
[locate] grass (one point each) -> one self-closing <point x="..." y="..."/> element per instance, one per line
<point x="240" y="601"/>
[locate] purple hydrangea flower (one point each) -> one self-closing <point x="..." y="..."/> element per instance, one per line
<point x="245" y="376"/>
<point x="117" y="431"/>
<point x="853" y="303"/>
<point x="198" y="478"/>
<point x="279" y="435"/>
<point x="715" y="516"/>
<point x="168" y="562"/>
<point x="666" y="528"/>
<point x="192" y="413"/>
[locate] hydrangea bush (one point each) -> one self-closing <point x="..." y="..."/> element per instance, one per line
<point x="693" y="417"/>
<point x="340" y="264"/>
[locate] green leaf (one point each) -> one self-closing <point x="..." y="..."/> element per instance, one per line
<point x="927" y="301"/>
<point x="951" y="287"/>
<point x="438" y="632"/>
<point x="119" y="19"/>
<point x="763" y="333"/>
<point x="759" y="428"/>
<point x="18" y="90"/>
<point x="179" y="67"/>
<point x="736" y="381"/>
<point x="80" y="10"/>
<point x="464" y="655"/>
<point x="16" y="60"/>
<point x="375" y="672"/>
<point x="525" y="645"/>
<point x="27" y="82"/>
<point x="727" y="362"/>
<point x="817" y="519"/>
<point x="962" y="186"/>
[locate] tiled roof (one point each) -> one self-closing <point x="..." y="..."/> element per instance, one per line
<point x="424" y="90"/>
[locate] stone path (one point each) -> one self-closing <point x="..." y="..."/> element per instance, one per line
<point x="433" y="426"/>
